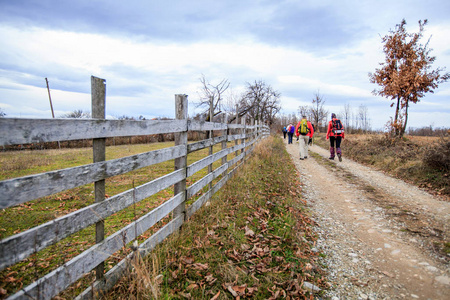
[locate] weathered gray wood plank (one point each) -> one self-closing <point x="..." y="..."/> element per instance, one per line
<point x="195" y="125"/>
<point x="236" y="148"/>
<point x="59" y="279"/>
<point x="236" y="137"/>
<point x="181" y="113"/>
<point x="198" y="185"/>
<point x="235" y="126"/>
<point x="202" y="163"/>
<point x="205" y="143"/>
<point x="23" y="189"/>
<point x="24" y="131"/>
<point x="236" y="159"/>
<point x="113" y="275"/>
<point x="205" y="197"/>
<point x="15" y="248"/>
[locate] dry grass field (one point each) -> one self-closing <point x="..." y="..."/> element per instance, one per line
<point x="423" y="161"/>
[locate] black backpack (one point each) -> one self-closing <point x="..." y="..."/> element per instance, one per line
<point x="337" y="126"/>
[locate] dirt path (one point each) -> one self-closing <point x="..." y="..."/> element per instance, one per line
<point x="377" y="232"/>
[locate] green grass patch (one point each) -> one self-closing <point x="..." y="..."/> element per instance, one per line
<point x="19" y="218"/>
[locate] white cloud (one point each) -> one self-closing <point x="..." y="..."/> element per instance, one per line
<point x="143" y="74"/>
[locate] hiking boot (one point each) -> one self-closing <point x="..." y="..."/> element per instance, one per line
<point x="305" y="157"/>
<point x="331" y="153"/>
<point x="301" y="158"/>
<point x="339" y="153"/>
<point x="331" y="157"/>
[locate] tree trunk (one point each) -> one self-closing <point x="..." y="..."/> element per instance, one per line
<point x="406" y="120"/>
<point x="396" y="116"/>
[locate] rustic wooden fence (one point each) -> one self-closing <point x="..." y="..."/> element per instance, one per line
<point x="19" y="190"/>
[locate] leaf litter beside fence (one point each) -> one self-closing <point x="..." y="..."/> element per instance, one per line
<point x="254" y="240"/>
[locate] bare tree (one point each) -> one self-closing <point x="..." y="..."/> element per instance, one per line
<point x="125" y="117"/>
<point x="363" y="118"/>
<point x="211" y="96"/>
<point x="293" y="119"/>
<point x="77" y="114"/>
<point x="231" y="99"/>
<point x="304" y="110"/>
<point x="260" y="101"/>
<point x="347" y="116"/>
<point x="318" y="112"/>
<point x="355" y="121"/>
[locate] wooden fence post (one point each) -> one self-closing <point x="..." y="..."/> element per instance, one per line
<point x="237" y="122"/>
<point x="224" y="142"/>
<point x="255" y="130"/>
<point x="243" y="131"/>
<point x="98" y="92"/>
<point x="181" y="138"/>
<point x="211" y="135"/>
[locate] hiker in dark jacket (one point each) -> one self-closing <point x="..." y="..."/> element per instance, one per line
<point x="336" y="134"/>
<point x="284" y="132"/>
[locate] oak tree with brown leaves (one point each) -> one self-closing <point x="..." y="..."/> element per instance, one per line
<point x="406" y="75"/>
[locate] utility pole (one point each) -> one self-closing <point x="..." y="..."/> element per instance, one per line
<point x="51" y="105"/>
<point x="50" y="98"/>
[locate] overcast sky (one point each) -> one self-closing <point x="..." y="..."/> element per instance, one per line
<point x="148" y="51"/>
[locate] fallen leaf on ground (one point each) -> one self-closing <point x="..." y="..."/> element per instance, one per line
<point x="216" y="296"/>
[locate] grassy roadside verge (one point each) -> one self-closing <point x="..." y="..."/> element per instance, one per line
<point x="19" y="218"/>
<point x="424" y="163"/>
<point x="254" y="240"/>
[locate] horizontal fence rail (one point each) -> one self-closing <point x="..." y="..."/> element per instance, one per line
<point x="17" y="191"/>
<point x="25" y="131"/>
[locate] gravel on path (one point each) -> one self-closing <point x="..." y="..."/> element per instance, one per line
<point x="362" y="215"/>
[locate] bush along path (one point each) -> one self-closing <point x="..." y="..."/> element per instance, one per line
<point x="382" y="238"/>
<point x="254" y="240"/>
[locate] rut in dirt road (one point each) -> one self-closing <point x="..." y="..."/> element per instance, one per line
<point x="377" y="232"/>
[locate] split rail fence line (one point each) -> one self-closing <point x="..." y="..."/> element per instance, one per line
<point x="19" y="190"/>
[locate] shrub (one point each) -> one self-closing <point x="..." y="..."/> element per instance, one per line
<point x="437" y="155"/>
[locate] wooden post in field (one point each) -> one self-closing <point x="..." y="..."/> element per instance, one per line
<point x="211" y="135"/>
<point x="181" y="111"/>
<point x="255" y="129"/>
<point x="224" y="142"/>
<point x="237" y="122"/>
<point x="98" y="92"/>
<point x="243" y="131"/>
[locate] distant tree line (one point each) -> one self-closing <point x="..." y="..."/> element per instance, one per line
<point x="259" y="101"/>
<point x="358" y="121"/>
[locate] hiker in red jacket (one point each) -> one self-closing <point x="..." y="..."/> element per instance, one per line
<point x="335" y="133"/>
<point x="304" y="131"/>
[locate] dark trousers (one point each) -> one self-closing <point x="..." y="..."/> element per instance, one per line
<point x="290" y="134"/>
<point x="337" y="140"/>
